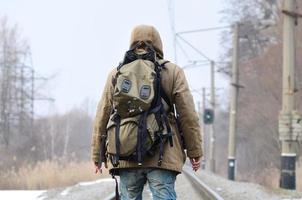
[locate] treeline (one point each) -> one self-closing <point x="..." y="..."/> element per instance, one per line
<point x="65" y="136"/>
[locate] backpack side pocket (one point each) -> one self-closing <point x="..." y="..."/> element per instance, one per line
<point x="127" y="137"/>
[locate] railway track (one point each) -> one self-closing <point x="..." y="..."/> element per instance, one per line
<point x="199" y="187"/>
<point x="111" y="196"/>
<point x="206" y="193"/>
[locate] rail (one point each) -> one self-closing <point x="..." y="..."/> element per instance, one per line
<point x="205" y="191"/>
<point x="111" y="196"/>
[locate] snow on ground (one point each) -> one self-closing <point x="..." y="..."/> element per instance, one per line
<point x="84" y="190"/>
<point x="21" y="194"/>
<point x="101" y="188"/>
<point x="91" y="183"/>
<point x="42" y="194"/>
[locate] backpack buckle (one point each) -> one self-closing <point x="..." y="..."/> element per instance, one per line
<point x="114" y="161"/>
<point x="160" y="162"/>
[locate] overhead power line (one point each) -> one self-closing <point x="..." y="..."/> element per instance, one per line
<point x="194" y="48"/>
<point x="203" y="30"/>
<point x="194" y="65"/>
<point x="182" y="49"/>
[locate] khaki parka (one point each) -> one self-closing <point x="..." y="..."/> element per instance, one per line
<point x="176" y="88"/>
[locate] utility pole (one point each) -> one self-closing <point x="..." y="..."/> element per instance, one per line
<point x="212" y="131"/>
<point x="233" y="107"/>
<point x="289" y="126"/>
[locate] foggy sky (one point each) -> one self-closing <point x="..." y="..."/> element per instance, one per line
<point x="81" y="41"/>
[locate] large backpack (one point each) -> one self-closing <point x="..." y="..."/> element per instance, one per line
<point x="138" y="125"/>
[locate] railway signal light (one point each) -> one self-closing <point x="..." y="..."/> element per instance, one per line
<point x="208" y="116"/>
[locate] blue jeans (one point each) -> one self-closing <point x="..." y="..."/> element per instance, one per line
<point x="161" y="183"/>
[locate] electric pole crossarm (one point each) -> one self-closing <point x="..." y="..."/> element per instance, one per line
<point x="293" y="14"/>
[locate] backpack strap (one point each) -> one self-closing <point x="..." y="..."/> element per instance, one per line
<point x="169" y="136"/>
<point x="161" y="115"/>
<point x="167" y="100"/>
<point x="102" y="157"/>
<point x="141" y="134"/>
<point x="117" y="194"/>
<point x="116" y="157"/>
<point x="174" y="110"/>
<point x="163" y="94"/>
<point x="161" y="149"/>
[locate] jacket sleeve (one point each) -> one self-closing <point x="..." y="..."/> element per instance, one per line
<point x="102" y="116"/>
<point x="188" y="117"/>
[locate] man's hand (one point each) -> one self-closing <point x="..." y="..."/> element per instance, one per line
<point x="98" y="168"/>
<point x="195" y="163"/>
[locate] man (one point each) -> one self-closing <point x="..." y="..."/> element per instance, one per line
<point x="161" y="178"/>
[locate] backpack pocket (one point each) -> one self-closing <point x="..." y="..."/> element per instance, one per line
<point x="134" y="88"/>
<point x="127" y="136"/>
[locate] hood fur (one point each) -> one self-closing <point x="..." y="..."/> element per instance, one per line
<point x="147" y="34"/>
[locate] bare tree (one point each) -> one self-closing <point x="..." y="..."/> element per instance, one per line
<point x="64" y="136"/>
<point x="259" y="29"/>
<point x="16" y="85"/>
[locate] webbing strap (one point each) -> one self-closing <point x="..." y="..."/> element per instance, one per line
<point x="102" y="151"/>
<point x="161" y="116"/>
<point x="168" y="129"/>
<point x="117" y="120"/>
<point x="161" y="149"/>
<point x="166" y="98"/>
<point x="117" y="194"/>
<point x="141" y="132"/>
<point x="155" y="110"/>
<point x="162" y="92"/>
<point x="144" y="132"/>
<point x="139" y="145"/>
